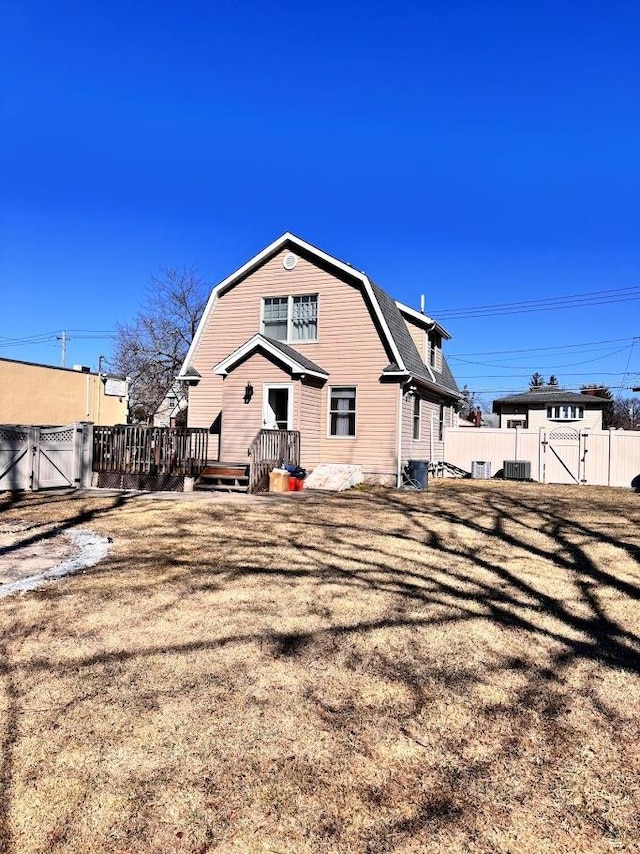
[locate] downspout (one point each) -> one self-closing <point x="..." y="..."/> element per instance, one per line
<point x="431" y="437"/>
<point x="399" y="442"/>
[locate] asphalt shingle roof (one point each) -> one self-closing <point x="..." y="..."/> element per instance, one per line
<point x="407" y="348"/>
<point x="551" y="395"/>
<point x="294" y="354"/>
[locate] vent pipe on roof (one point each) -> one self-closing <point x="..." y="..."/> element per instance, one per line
<point x="421" y="303"/>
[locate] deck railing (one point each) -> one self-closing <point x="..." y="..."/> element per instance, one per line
<point x="268" y="450"/>
<point x="138" y="449"/>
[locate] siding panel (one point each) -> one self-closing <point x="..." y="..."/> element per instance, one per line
<point x="348" y="347"/>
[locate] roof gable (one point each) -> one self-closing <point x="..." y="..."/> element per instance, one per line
<point x="282" y="353"/>
<point x="393" y="331"/>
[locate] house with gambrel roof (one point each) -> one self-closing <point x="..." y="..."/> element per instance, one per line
<point x="297" y="340"/>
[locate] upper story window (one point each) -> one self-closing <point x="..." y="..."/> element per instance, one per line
<point x="434" y="350"/>
<point x="565" y="412"/>
<point x="290" y="319"/>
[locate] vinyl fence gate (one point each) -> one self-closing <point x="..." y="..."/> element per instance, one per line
<point x="564" y="451"/>
<point x="43" y="457"/>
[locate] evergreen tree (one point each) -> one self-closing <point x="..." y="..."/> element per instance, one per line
<point x="536" y="381"/>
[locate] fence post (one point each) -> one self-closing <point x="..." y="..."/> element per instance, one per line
<point x="85" y="461"/>
<point x="34" y="449"/>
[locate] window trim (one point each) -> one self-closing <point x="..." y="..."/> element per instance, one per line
<point x="290" y="340"/>
<point x="416" y="419"/>
<point x="575" y="412"/>
<point x="330" y="435"/>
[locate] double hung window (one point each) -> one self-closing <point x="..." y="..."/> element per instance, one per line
<point x="292" y="318"/>
<point x="342" y="411"/>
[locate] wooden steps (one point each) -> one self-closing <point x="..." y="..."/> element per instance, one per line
<point x="224" y="477"/>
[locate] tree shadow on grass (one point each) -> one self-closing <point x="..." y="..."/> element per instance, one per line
<point x="418" y="565"/>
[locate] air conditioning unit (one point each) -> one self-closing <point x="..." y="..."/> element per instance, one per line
<point x="481" y="469"/>
<point x="517" y="470"/>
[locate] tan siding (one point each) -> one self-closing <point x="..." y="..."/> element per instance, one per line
<point x="419" y="337"/>
<point x="429" y="446"/>
<point x="310" y="424"/>
<point x="421" y="340"/>
<point x="348" y="347"/>
<point x="241" y="421"/>
<point x="537" y="418"/>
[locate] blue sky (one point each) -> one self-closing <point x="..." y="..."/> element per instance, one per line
<point x="480" y="154"/>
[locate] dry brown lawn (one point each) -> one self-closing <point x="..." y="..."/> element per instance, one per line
<point x="453" y="671"/>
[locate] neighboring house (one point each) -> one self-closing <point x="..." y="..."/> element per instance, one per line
<point x="550" y="406"/>
<point x="297" y="340"/>
<point x="45" y="395"/>
<point x="172" y="407"/>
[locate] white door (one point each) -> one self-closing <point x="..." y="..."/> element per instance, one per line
<point x="277" y="407"/>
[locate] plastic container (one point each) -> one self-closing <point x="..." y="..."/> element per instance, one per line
<point x="419" y="473"/>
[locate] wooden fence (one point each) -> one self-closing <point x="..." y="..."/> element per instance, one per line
<point x="269" y="449"/>
<point x="134" y="449"/>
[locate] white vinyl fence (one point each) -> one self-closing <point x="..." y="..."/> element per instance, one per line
<point x="559" y="455"/>
<point x="44" y="457"/>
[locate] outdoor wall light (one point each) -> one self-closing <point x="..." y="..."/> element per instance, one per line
<point x="248" y="393"/>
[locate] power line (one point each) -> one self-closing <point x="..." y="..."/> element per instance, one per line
<point x="44" y="337"/>
<point x="591" y="298"/>
<point x="537" y="367"/>
<point x="543" y="349"/>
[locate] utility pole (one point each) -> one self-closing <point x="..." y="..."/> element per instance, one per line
<point x="63" y="339"/>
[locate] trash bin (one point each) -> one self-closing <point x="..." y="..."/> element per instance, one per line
<point x="418" y="473"/>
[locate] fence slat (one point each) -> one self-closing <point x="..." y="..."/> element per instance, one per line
<point x="135" y="449"/>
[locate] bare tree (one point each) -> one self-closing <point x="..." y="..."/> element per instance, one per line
<point x="470" y="403"/>
<point x="595" y="390"/>
<point x="626" y="413"/>
<point x="151" y="348"/>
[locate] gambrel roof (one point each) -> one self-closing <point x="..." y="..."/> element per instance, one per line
<point x="405" y="360"/>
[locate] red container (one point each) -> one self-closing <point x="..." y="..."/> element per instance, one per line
<point x="295" y="484"/>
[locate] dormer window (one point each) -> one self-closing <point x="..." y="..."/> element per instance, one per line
<point x="292" y="318"/>
<point x="434" y="350"/>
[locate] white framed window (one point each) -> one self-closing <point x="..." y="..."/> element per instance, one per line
<point x="275" y="314"/>
<point x="433" y="348"/>
<point x="565" y="412"/>
<point x="417" y="418"/>
<point x="342" y="412"/>
<point x="291" y="318"/>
